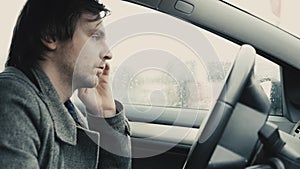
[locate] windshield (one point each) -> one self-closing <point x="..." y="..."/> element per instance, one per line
<point x="281" y="13"/>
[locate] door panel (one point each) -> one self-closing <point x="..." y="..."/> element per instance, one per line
<point x="160" y="146"/>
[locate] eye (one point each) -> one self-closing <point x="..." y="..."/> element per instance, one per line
<point x="96" y="36"/>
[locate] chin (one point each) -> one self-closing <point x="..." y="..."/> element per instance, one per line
<point x="90" y="82"/>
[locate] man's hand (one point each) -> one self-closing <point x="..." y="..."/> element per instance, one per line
<point x="99" y="100"/>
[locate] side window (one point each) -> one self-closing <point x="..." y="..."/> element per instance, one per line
<point x="9" y="9"/>
<point x="268" y="75"/>
<point x="153" y="67"/>
<point x="181" y="67"/>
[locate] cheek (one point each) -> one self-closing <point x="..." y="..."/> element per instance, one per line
<point x="87" y="61"/>
<point x="91" y="48"/>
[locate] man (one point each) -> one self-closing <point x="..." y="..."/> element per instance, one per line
<point x="59" y="46"/>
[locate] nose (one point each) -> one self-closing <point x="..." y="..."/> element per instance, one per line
<point x="106" y="55"/>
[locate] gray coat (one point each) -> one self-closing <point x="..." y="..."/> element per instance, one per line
<point x="36" y="130"/>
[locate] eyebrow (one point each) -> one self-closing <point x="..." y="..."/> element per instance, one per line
<point x="96" y="27"/>
<point x="98" y="23"/>
<point x="97" y="18"/>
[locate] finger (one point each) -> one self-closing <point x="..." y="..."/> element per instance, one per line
<point x="106" y="69"/>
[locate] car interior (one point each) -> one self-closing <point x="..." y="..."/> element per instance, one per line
<point x="239" y="131"/>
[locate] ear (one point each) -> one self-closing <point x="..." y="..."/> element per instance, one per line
<point x="50" y="43"/>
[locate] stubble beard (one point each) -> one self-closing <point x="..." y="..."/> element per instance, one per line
<point x="66" y="70"/>
<point x="83" y="79"/>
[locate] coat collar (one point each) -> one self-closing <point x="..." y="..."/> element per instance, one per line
<point x="64" y="125"/>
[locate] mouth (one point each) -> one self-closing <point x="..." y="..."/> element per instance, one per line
<point x="100" y="70"/>
<point x="101" y="67"/>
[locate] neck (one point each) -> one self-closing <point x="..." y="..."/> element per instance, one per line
<point x="61" y="82"/>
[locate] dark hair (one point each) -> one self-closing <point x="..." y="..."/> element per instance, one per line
<point x="48" y="20"/>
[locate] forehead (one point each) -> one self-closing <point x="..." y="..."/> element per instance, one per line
<point x="90" y="21"/>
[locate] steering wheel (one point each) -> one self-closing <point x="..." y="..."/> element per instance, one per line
<point x="211" y="131"/>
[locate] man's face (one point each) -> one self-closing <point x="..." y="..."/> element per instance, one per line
<point x="85" y="55"/>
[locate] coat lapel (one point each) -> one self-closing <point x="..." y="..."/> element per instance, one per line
<point x="86" y="153"/>
<point x="64" y="125"/>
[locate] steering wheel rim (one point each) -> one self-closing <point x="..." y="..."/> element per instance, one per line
<point x="211" y="131"/>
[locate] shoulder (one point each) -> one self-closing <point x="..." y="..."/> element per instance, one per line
<point x="19" y="100"/>
<point x="14" y="82"/>
<point x="20" y="116"/>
